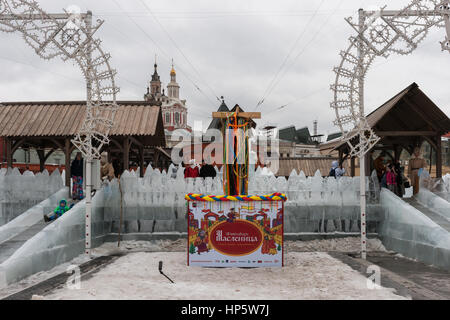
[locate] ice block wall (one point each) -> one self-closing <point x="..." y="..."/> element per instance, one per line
<point x="155" y="203"/>
<point x="406" y="230"/>
<point x="19" y="192"/>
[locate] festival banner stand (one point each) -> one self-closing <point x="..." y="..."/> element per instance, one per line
<point x="235" y="230"/>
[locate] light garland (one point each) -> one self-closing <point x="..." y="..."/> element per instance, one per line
<point x="65" y="36"/>
<point x="380" y="34"/>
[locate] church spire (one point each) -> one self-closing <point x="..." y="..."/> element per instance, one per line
<point x="155" y="84"/>
<point x="173" y="88"/>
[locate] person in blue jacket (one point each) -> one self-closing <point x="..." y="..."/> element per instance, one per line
<point x="58" y="212"/>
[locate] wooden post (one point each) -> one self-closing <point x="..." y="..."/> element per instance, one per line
<point x="439" y="157"/>
<point x="41" y="160"/>
<point x="126" y="153"/>
<point x="9" y="155"/>
<point x="397" y="151"/>
<point x="67" y="163"/>
<point x="155" y="157"/>
<point x="352" y="166"/>
<point x="367" y="164"/>
<point x="141" y="161"/>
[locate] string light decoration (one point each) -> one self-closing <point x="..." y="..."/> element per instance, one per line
<point x="379" y="34"/>
<point x="69" y="35"/>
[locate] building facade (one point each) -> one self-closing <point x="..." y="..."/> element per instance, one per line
<point x="174" y="109"/>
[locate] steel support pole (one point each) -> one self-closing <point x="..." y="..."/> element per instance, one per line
<point x="362" y="162"/>
<point x="89" y="160"/>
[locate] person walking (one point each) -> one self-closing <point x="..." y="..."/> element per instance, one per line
<point x="415" y="166"/>
<point x="76" y="171"/>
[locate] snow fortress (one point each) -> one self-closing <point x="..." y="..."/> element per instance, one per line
<point x="154" y="206"/>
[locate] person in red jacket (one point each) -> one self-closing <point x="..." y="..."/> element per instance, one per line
<point x="191" y="171"/>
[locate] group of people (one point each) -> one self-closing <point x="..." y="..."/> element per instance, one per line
<point x="193" y="171"/>
<point x="76" y="171"/>
<point x="391" y="175"/>
<point x="77" y="174"/>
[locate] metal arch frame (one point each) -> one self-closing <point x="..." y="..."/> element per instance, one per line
<point x="70" y="36"/>
<point x="380" y="33"/>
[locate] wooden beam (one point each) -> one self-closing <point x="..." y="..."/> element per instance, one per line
<point x="41" y="155"/>
<point x="352" y="167"/>
<point x="67" y="161"/>
<point x="141" y="162"/>
<point x="126" y="153"/>
<point x="136" y="142"/>
<point x="49" y="154"/>
<point x="245" y="115"/>
<point x="58" y="145"/>
<point x="419" y="111"/>
<point x="17" y="145"/>
<point x="405" y="133"/>
<point x="9" y="154"/>
<point x="439" y="157"/>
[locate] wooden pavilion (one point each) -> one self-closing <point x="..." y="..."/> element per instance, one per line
<point x="405" y="121"/>
<point x="50" y="126"/>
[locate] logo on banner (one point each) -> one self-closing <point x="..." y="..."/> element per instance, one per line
<point x="236" y="238"/>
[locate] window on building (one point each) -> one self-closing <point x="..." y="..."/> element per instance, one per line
<point x="167" y="117"/>
<point x="177" y="118"/>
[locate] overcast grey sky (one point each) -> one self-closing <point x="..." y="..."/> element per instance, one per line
<point x="231" y="48"/>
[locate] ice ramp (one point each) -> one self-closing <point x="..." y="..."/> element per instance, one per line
<point x="414" y="234"/>
<point x="31" y="218"/>
<point x="56" y="243"/>
<point x="437" y="204"/>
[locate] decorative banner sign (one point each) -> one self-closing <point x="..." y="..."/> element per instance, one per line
<point x="235" y="231"/>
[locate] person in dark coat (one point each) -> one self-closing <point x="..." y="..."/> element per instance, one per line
<point x="76" y="171"/>
<point x="207" y="170"/>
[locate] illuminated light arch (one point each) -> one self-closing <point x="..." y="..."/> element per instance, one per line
<point x="380" y="33"/>
<point x="70" y="36"/>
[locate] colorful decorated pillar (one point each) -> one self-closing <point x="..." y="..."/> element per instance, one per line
<point x="235" y="229"/>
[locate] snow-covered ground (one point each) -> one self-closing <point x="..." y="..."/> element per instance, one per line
<point x="309" y="273"/>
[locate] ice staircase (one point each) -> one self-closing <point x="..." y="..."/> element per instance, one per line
<point x="10" y="246"/>
<point x="435" y="217"/>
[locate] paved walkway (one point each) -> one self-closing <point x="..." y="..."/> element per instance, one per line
<point x="409" y="278"/>
<point x="431" y="278"/>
